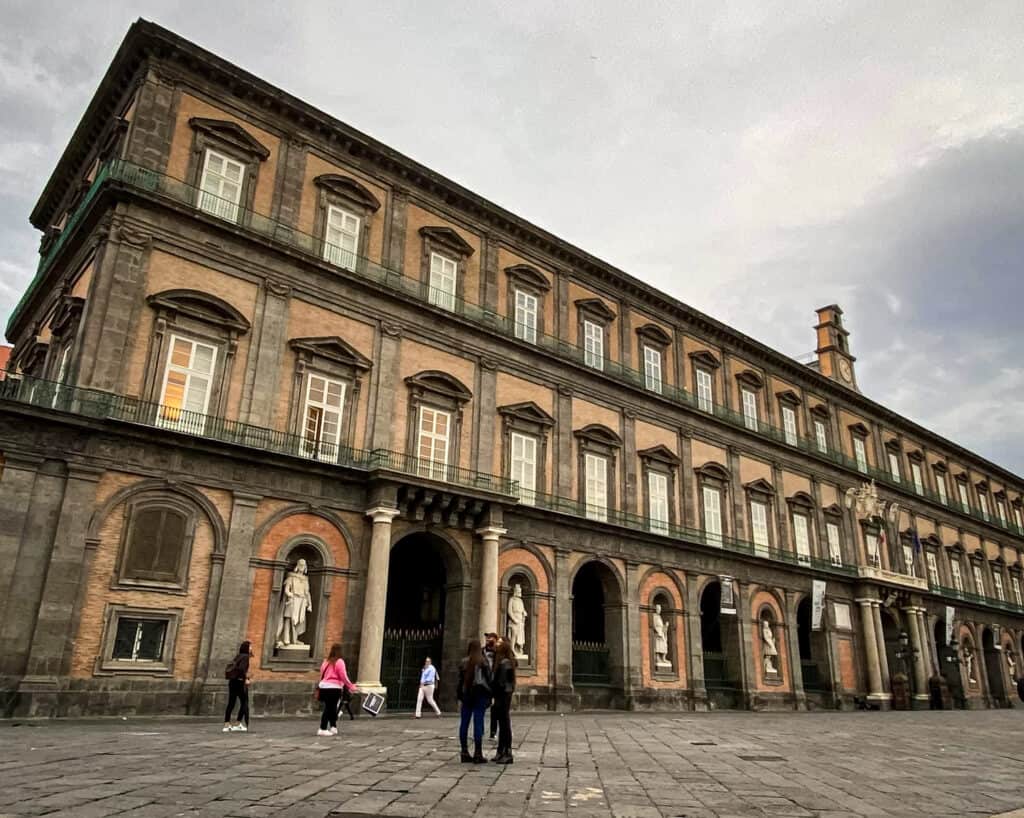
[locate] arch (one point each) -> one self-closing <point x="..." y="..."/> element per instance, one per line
<point x="325" y="514"/>
<point x="720" y="647"/>
<point x="530" y="548"/>
<point x="452" y="552"/>
<point x="677" y="583"/>
<point x="654" y="334"/>
<point x="437" y="382"/>
<point x="994" y="675"/>
<point x="201" y="306"/>
<point x="530" y="275"/>
<point x="598" y="433"/>
<point x="447" y="237"/>
<point x="232" y="133"/>
<point x="620" y="582"/>
<point x="349" y="188"/>
<point x="598" y="631"/>
<point x="713" y="471"/>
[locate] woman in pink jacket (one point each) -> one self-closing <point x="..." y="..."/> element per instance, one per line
<point x="333" y="679"/>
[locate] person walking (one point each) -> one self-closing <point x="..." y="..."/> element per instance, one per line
<point x="428" y="681"/>
<point x="237" y="674"/>
<point x="490" y="640"/>
<point x="474" y="694"/>
<point x="503" y="685"/>
<point x="333" y="680"/>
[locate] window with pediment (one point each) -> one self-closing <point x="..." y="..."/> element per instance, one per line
<point x="713" y="492"/>
<point x="526" y="428"/>
<point x="658" y="467"/>
<point x="801" y="513"/>
<point x="652" y="348"/>
<point x="594" y="323"/>
<point x="704" y="365"/>
<point x="528" y="288"/>
<point x="820" y="422"/>
<point x="789" y="404"/>
<point x="223" y="167"/>
<point x="760" y="497"/>
<point x="443" y="266"/>
<point x="597" y="452"/>
<point x="437" y="401"/>
<point x="750" y="386"/>
<point x="345" y="210"/>
<point x="859" y="437"/>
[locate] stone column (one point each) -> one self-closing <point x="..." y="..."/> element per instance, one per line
<point x="867" y="624"/>
<point x="883" y="658"/>
<point x="687" y="505"/>
<point x="489" y="538"/>
<point x="633" y="658"/>
<point x="384" y="388"/>
<point x="744" y="627"/>
<point x="263" y="372"/>
<point x="694" y="646"/>
<point x="629" y="487"/>
<point x="485" y="416"/>
<point x="371" y="641"/>
<point x="394" y="228"/>
<point x="920" y="670"/>
<point x="16" y="481"/>
<point x="563" y="632"/>
<point x="793" y="651"/>
<point x="564" y="461"/>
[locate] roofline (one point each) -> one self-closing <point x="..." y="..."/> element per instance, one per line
<point x="145" y="37"/>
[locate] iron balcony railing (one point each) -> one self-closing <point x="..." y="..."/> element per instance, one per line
<point x="977" y="599"/>
<point x="94" y="403"/>
<point x="151" y="182"/>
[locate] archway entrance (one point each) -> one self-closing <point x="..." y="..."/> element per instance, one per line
<point x="597" y="660"/>
<point x="949" y="664"/>
<point x="422" y="617"/>
<point x="898" y="663"/>
<point x="813" y="653"/>
<point x="994" y="670"/>
<point x="721" y="650"/>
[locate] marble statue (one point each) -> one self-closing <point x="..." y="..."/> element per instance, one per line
<point x="295" y="604"/>
<point x="769" y="652"/>
<point x="869" y="505"/>
<point x="516" y="612"/>
<point x="1011" y="664"/>
<point x="969" y="662"/>
<point x="660" y="638"/>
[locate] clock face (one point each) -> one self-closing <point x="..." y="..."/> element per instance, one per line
<point x="844" y="370"/>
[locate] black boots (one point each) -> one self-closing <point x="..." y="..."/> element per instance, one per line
<point x="503" y="757"/>
<point x="478" y="756"/>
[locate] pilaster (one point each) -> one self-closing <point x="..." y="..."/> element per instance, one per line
<point x="695" y="645"/>
<point x="796" y="672"/>
<point x="562" y="663"/>
<point x="629" y="490"/>
<point x="263" y="371"/>
<point x="385" y="377"/>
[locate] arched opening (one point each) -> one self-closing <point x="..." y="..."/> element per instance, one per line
<point x="423" y="617"/>
<point x="994" y="670"/>
<point x="662" y="650"/>
<point x="518" y="615"/>
<point x="597" y="630"/>
<point x="721" y="650"/>
<point x="296" y="631"/>
<point x="813" y="648"/>
<point x="899" y="664"/>
<point x="949" y="664"/>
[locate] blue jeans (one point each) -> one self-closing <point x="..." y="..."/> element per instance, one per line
<point x="472" y="708"/>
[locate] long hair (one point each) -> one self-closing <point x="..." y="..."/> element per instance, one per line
<point x="503" y="650"/>
<point x="245" y="648"/>
<point x="474" y="657"/>
<point x="335" y="653"/>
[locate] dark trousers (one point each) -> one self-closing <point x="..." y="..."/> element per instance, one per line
<point x="472" y="708"/>
<point x="494" y="722"/>
<point x="502" y="710"/>
<point x="237" y="691"/>
<point x="346" y="704"/>
<point x="329" y="698"/>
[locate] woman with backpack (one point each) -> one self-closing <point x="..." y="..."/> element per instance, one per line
<point x="237" y="674"/>
<point x="473" y="691"/>
<point x="503" y="685"/>
<point x="333" y="680"/>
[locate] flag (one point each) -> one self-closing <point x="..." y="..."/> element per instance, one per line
<point x="917" y="543"/>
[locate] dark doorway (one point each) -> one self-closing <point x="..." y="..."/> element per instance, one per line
<point x="721" y="650"/>
<point x="813" y="648"/>
<point x="949" y="665"/>
<point x="994" y="670"/>
<point x="897" y="665"/>
<point x="597" y="657"/>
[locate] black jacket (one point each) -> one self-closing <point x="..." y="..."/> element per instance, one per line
<point x="504" y="681"/>
<point x="464" y="693"/>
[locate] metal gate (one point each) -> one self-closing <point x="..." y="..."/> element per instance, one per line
<point x="591" y="663"/>
<point x="402" y="660"/>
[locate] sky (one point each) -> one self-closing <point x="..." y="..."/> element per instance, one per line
<point x="756" y="160"/>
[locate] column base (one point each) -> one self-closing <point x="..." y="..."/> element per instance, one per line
<point x="38" y="684"/>
<point x="883" y="701"/>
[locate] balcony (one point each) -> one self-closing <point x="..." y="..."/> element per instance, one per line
<point x="147" y="182"/>
<point x="977" y="599"/>
<point x="879" y="574"/>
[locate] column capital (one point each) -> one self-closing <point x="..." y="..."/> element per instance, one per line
<point x="491" y="532"/>
<point x="382" y="514"/>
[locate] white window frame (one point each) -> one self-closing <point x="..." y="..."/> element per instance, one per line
<point x="997" y="583"/>
<point x="860" y="453"/>
<point x="759" y="526"/>
<point x="523" y="466"/>
<point x="444" y="281"/>
<point x="957" y="574"/>
<point x="135" y="659"/>
<point x="712" y="500"/>
<point x="917" y="476"/>
<point x="1017" y="597"/>
<point x="789" y="425"/>
<point x="215" y="202"/>
<point x="821" y="436"/>
<point x="802" y="537"/>
<point x="940" y="486"/>
<point x="595" y="491"/>
<point x="835" y="547"/>
<point x="179" y="417"/>
<point x="705" y="391"/>
<point x="1019" y="518"/>
<point x="62" y="372"/>
<point x="337" y="253"/>
<point x="894" y="467"/>
<point x="1001" y="512"/>
<point x="871" y="546"/>
<point x="965" y="498"/>
<point x="983" y="503"/>
<point x="318" y="446"/>
<point x="657" y="501"/>
<point x="749" y="399"/>
<point x="431" y="465"/>
<point x="979" y="579"/>
<point x="593" y="344"/>
<point x="908" y="560"/>
<point x="652" y="369"/>
<point x="526" y="308"/>
<point x="932" y="566"/>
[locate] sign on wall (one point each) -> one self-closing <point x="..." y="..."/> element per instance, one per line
<point x="728" y="603"/>
<point x="817" y="603"/>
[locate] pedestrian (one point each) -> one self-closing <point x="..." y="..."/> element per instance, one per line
<point x="428" y="680"/>
<point x="490" y="639"/>
<point x="503" y="685"/>
<point x="346" y="703"/>
<point x="474" y="694"/>
<point x="333" y="680"/>
<point x="237" y="674"/>
<point x="1020" y="688"/>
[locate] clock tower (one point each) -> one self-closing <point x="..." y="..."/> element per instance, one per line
<point x="834" y="358"/>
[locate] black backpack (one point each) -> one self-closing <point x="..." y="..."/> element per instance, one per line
<point x="231" y="670"/>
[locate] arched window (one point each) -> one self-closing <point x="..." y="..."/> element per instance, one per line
<point x="157" y="542"/>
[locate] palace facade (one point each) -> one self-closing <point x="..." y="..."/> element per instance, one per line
<point x="258" y="336"/>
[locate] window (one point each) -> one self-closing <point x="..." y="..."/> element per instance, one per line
<point x="749" y="409"/>
<point x="997" y="582"/>
<point x="894" y="466"/>
<point x="705" y="395"/>
<point x="1019" y="518"/>
<point x="983" y="502"/>
<point x="789" y="425"/>
<point x="657" y="492"/>
<point x="759" y="525"/>
<point x="62" y="372"/>
<point x="526" y="317"/>
<point x="917" y="477"/>
<point x="523" y="457"/>
<point x="713" y="514"/>
<point x="958" y="579"/>
<point x="835" y="551"/>
<point x="443" y="276"/>
<point x="341" y="238"/>
<point x="321" y="430"/>
<point x="860" y="454"/>
<point x="940" y="485"/>
<point x="652" y="369"/>
<point x="186" y="390"/>
<point x="156" y="544"/>
<point x="596" y="491"/>
<point x="933" y="569"/>
<point x="1015" y="584"/>
<point x="961" y="488"/>
<point x="220" y="188"/>
<point x="908" y="560"/>
<point x="139" y="640"/>
<point x="1001" y="512"/>
<point x="821" y="436"/>
<point x="801" y="535"/>
<point x="871" y="541"/>
<point x="979" y="580"/>
<point x="593" y="344"/>
<point x="432" y="443"/>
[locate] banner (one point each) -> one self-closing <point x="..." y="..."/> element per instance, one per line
<point x="728" y="603"/>
<point x="997" y="643"/>
<point x="949" y="624"/>
<point x="817" y="603"/>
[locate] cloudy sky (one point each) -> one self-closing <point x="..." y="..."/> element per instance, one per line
<point x="756" y="159"/>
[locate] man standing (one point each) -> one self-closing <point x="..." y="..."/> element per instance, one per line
<point x="490" y="639"/>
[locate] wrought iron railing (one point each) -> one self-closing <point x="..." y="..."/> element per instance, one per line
<point x="977" y="599"/>
<point x="591" y="663"/>
<point x="151" y="182"/>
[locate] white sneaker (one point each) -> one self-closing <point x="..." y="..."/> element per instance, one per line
<point x="323" y="732"/>
<point x="333" y="731"/>
<point x="227" y="728"/>
<point x="240" y="728"/>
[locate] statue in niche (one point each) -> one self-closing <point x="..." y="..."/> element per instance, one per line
<point x="516" y="612"/>
<point x="769" y="651"/>
<point x="660" y="627"/>
<point x="296" y="602"/>
<point x="969" y="663"/>
<point x="1011" y="664"/>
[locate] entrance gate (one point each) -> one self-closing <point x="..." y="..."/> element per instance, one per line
<point x="403" y="655"/>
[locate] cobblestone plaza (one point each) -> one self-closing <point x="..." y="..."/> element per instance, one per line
<point x="837" y="765"/>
